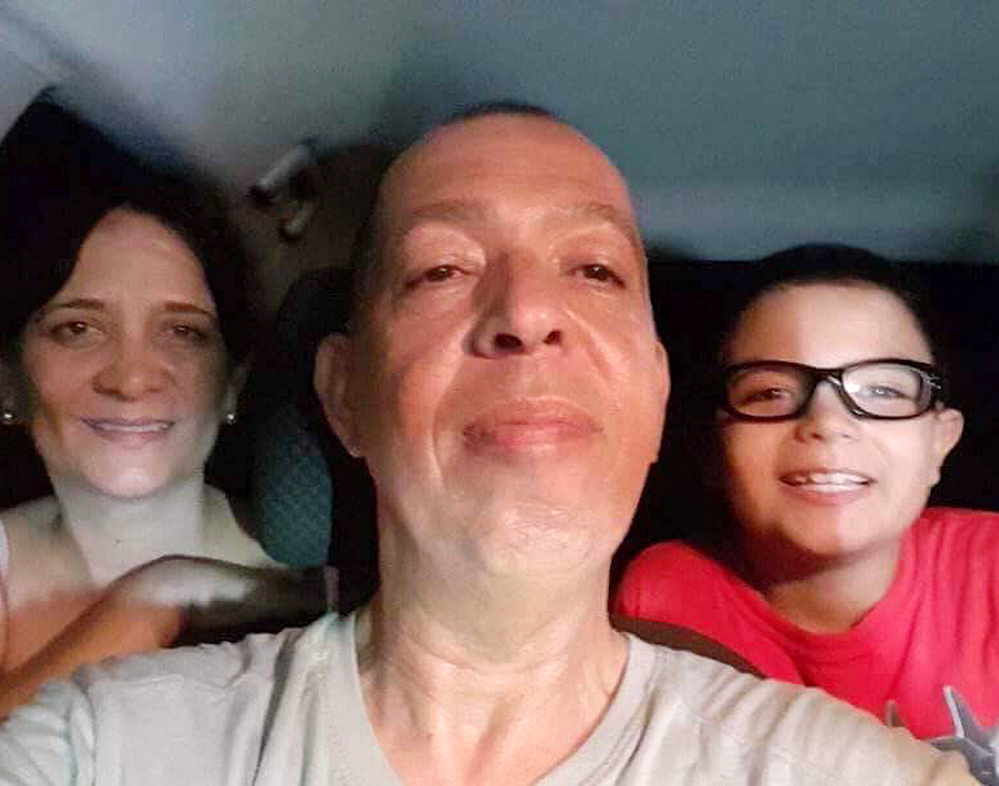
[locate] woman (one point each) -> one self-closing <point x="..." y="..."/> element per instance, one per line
<point x="123" y="350"/>
<point x="830" y="428"/>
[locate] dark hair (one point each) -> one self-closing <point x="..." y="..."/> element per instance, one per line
<point x="839" y="265"/>
<point x="365" y="247"/>
<point x="505" y="106"/>
<point x="60" y="179"/>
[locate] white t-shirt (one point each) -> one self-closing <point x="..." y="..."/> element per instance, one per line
<point x="287" y="709"/>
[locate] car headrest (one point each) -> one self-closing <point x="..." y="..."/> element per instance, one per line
<point x="291" y="488"/>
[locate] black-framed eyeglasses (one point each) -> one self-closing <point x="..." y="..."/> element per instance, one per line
<point x="882" y="389"/>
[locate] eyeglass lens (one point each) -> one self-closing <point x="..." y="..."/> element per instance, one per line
<point x="880" y="389"/>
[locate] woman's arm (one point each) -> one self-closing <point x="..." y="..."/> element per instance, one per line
<point x="167" y="601"/>
<point x="112" y="626"/>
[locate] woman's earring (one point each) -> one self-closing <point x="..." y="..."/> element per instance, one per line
<point x="7" y="417"/>
<point x="230" y="418"/>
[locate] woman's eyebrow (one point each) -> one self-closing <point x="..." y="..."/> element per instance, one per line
<point x="91" y="304"/>
<point x="84" y="303"/>
<point x="177" y="307"/>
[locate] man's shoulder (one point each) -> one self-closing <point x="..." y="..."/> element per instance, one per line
<point x="802" y="733"/>
<point x="257" y="658"/>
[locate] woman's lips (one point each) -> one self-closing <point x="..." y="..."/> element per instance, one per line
<point x="128" y="431"/>
<point x="529" y="425"/>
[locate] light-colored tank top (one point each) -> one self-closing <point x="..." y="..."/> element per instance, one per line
<point x="4" y="551"/>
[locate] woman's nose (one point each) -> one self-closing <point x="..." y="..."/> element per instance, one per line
<point x="132" y="370"/>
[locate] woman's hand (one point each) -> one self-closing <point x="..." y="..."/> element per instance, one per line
<point x="172" y="600"/>
<point x="222" y="598"/>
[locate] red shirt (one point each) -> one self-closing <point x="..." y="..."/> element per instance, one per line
<point x="935" y="627"/>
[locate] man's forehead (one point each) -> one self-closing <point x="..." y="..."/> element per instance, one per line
<point x="521" y="157"/>
<point x="475" y="212"/>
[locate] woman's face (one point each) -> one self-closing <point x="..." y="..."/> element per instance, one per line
<point x="829" y="485"/>
<point x="126" y="365"/>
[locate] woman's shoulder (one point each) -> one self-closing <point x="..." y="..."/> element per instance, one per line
<point x="230" y="532"/>
<point x="29" y="517"/>
<point x="27" y="528"/>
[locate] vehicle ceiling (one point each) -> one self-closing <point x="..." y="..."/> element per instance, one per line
<point x="742" y="126"/>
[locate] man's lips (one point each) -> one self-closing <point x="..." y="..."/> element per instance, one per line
<point x="529" y="424"/>
<point x="826" y="480"/>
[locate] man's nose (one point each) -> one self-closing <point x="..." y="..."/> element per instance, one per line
<point x="132" y="369"/>
<point x="826" y="417"/>
<point x="523" y="309"/>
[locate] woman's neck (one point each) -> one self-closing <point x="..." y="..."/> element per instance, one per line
<point x="115" y="534"/>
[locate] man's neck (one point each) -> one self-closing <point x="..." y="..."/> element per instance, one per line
<point x="477" y="679"/>
<point x="116" y="534"/>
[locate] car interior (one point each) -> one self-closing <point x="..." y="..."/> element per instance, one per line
<point x="742" y="129"/>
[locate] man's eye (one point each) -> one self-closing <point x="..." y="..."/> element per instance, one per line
<point x="440" y="273"/>
<point x="434" y="275"/>
<point x="601" y="273"/>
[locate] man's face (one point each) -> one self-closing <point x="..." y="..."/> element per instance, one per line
<point x="505" y="384"/>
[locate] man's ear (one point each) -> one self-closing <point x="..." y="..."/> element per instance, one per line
<point x="331" y="382"/>
<point x="948" y="428"/>
<point x="662" y="391"/>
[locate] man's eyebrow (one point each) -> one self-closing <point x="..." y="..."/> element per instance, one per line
<point x="466" y="212"/>
<point x="602" y="211"/>
<point x="448" y="211"/>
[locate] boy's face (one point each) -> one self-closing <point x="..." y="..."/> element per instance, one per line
<point x="829" y="486"/>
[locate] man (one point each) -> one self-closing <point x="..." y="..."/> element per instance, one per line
<point x="505" y="386"/>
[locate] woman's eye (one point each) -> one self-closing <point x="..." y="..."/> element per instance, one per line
<point x="72" y="332"/>
<point x="600" y="273"/>
<point x="189" y="333"/>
